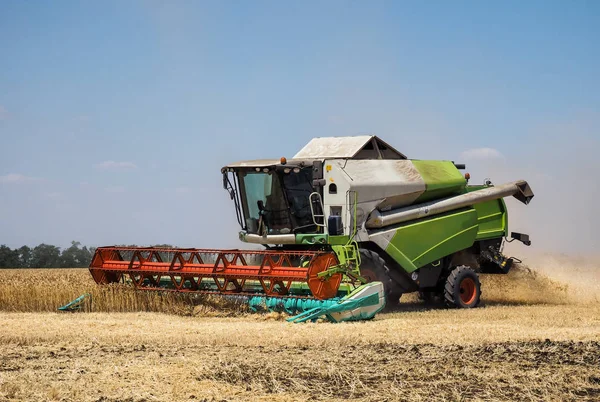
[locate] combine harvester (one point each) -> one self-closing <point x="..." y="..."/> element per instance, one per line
<point x="348" y="225"/>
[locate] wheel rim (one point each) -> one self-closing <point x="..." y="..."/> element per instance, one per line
<point x="468" y="291"/>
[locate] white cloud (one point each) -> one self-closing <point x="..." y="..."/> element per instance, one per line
<point x="481" y="153"/>
<point x="54" y="195"/>
<point x="112" y="165"/>
<point x="16" y="178"/>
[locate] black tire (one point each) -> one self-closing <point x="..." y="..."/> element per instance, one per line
<point x="373" y="268"/>
<point x="463" y="288"/>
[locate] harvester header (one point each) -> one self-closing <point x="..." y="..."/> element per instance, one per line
<point x="344" y="212"/>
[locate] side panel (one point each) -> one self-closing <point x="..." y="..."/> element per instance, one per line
<point x="493" y="219"/>
<point x="415" y="244"/>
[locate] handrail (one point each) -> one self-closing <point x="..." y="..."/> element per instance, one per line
<point x="312" y="210"/>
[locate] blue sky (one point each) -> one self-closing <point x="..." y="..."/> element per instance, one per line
<point x="115" y="117"/>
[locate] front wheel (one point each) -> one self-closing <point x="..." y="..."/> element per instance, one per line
<point x="462" y="289"/>
<point x="373" y="268"/>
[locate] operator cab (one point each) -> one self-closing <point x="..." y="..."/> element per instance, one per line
<point x="279" y="199"/>
<point x="275" y="198"/>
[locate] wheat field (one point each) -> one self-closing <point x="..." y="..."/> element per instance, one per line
<point x="535" y="338"/>
<point x="44" y="290"/>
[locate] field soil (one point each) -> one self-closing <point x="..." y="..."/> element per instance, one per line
<point x="534" y="338"/>
<point x="493" y="353"/>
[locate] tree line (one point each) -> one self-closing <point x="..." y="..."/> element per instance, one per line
<point x="46" y="256"/>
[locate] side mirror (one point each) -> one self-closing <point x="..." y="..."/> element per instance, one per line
<point x="225" y="180"/>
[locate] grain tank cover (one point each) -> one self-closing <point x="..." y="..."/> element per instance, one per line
<point x="358" y="147"/>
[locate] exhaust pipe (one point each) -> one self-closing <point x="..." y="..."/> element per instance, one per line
<point x="519" y="189"/>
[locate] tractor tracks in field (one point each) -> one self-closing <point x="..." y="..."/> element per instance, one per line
<point x="531" y="370"/>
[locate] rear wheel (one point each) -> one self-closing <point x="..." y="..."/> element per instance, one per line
<point x="462" y="289"/>
<point x="373" y="268"/>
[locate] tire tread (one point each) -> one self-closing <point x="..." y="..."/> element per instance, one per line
<point x="380" y="268"/>
<point x="451" y="282"/>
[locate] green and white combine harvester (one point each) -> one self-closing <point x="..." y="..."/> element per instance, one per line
<point x="349" y="224"/>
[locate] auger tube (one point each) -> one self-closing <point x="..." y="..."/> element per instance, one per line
<point x="268" y="239"/>
<point x="519" y="189"/>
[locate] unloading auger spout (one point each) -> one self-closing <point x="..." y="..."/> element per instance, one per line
<point x="519" y="189"/>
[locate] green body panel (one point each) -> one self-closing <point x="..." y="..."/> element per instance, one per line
<point x="338" y="240"/>
<point x="492" y="217"/>
<point x="311" y="238"/>
<point x="441" y="178"/>
<point x="421" y="242"/>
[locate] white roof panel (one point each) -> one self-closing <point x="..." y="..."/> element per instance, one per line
<point x="333" y="147"/>
<point x="345" y="148"/>
<point x="254" y="163"/>
<point x="358" y="147"/>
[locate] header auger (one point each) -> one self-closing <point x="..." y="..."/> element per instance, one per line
<point x="240" y="272"/>
<point x="348" y="224"/>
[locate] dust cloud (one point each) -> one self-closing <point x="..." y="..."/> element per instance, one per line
<point x="560" y="163"/>
<point x="548" y="280"/>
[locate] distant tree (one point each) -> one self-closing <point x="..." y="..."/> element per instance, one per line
<point x="68" y="257"/>
<point x="45" y="256"/>
<point x="24" y="257"/>
<point x="9" y="258"/>
<point x="76" y="256"/>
